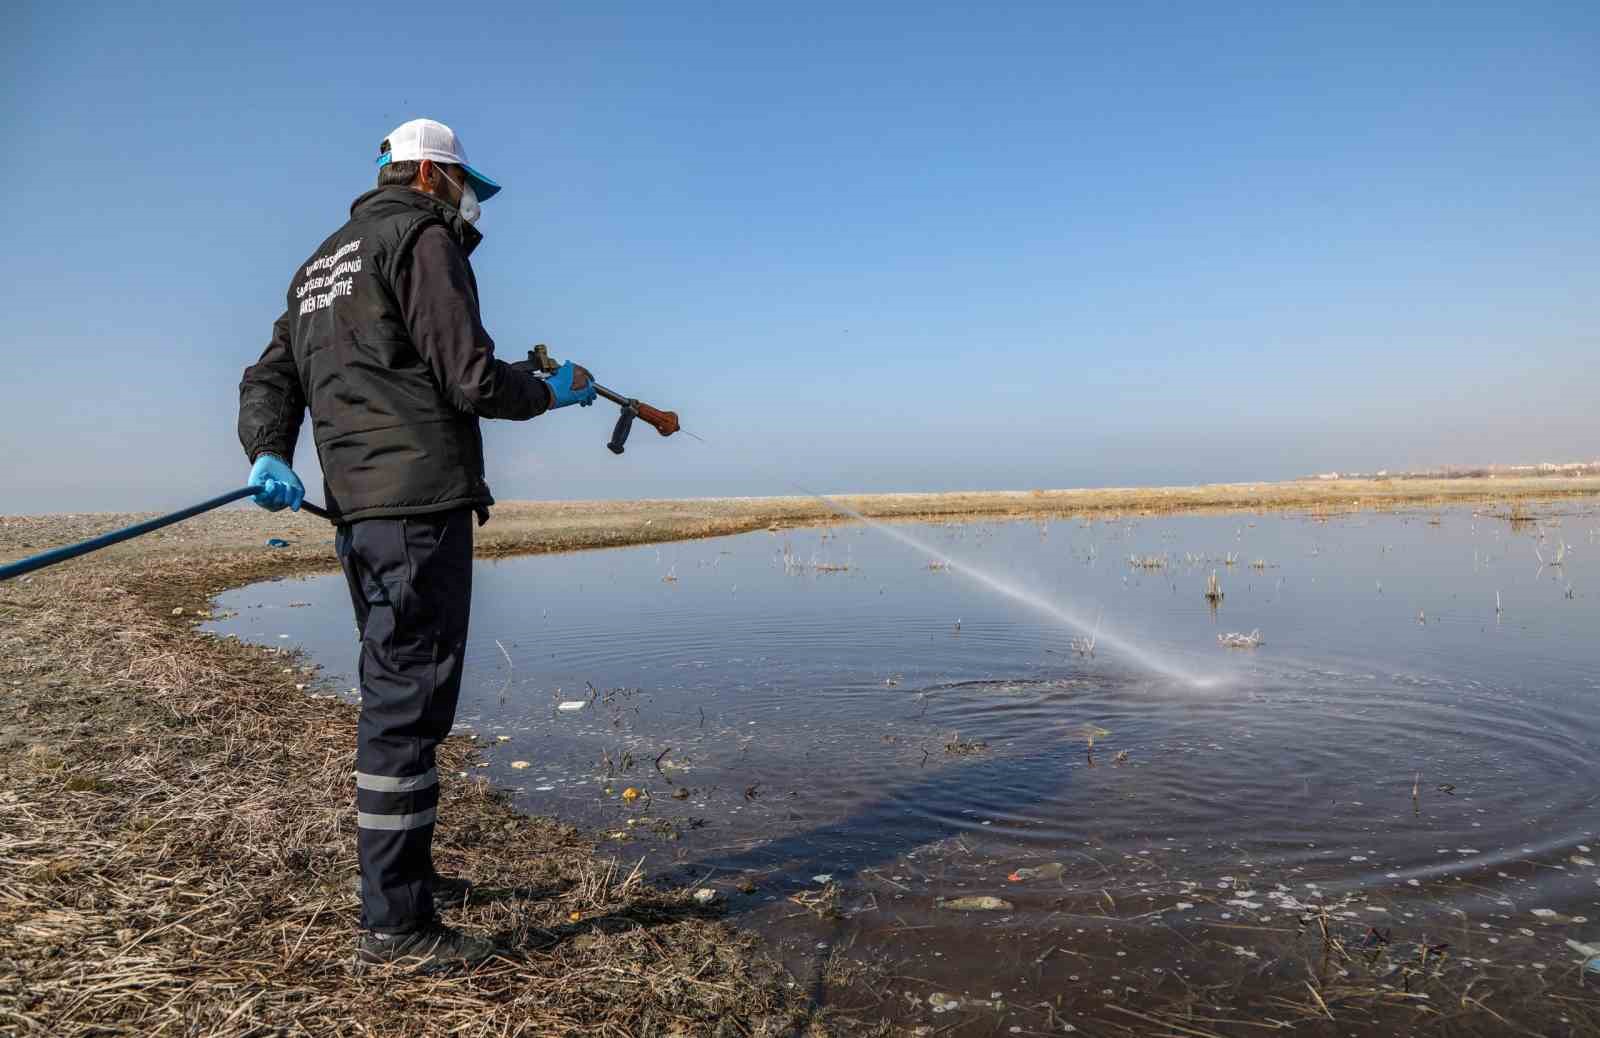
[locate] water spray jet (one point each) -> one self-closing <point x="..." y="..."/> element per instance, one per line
<point x="1142" y="657"/>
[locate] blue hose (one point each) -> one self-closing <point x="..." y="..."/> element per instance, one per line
<point x="105" y="540"/>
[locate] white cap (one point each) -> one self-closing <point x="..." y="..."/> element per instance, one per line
<point x="426" y="139"/>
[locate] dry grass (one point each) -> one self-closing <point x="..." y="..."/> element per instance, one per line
<point x="176" y="834"/>
<point x="177" y="839"/>
<point x="521" y="527"/>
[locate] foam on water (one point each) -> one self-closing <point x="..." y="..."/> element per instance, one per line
<point x="1144" y="658"/>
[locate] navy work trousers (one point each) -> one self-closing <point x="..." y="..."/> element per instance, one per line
<point x="411" y="585"/>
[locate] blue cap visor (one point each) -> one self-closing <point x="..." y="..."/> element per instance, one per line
<point x="481" y="185"/>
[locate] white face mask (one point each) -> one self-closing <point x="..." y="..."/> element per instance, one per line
<point x="468" y="205"/>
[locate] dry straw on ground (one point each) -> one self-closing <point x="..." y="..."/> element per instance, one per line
<point x="177" y="842"/>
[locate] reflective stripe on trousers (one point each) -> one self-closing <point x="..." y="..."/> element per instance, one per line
<point x="395" y="823"/>
<point x="397" y="784"/>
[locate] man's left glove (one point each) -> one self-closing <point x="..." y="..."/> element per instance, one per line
<point x="280" y="487"/>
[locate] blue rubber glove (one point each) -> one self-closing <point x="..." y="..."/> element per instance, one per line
<point x="570" y="384"/>
<point x="280" y="487"/>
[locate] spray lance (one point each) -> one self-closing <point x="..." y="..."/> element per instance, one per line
<point x="664" y="422"/>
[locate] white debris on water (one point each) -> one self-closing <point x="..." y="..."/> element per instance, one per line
<point x="572" y="704"/>
<point x="981" y="903"/>
<point x="1590" y="953"/>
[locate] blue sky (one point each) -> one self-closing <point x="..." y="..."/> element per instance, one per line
<point x="856" y="246"/>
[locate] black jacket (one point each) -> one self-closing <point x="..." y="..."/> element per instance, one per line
<point x="382" y="339"/>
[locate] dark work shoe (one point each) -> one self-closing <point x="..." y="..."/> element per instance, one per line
<point x="434" y="948"/>
<point x="448" y="891"/>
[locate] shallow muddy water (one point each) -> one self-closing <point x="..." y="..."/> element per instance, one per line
<point x="850" y="734"/>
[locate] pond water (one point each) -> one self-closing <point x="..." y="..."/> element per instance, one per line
<point x="841" y="735"/>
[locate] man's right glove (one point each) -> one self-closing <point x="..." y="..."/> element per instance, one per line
<point x="570" y="384"/>
<point x="280" y="487"/>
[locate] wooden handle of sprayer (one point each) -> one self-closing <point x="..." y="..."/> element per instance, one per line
<point x="665" y="422"/>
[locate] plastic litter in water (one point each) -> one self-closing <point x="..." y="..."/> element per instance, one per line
<point x="1590" y="953"/>
<point x="981" y="903"/>
<point x="572" y="704"/>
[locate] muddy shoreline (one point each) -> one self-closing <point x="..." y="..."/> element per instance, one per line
<point x="176" y="832"/>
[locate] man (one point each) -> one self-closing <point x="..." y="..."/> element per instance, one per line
<point x="383" y="341"/>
